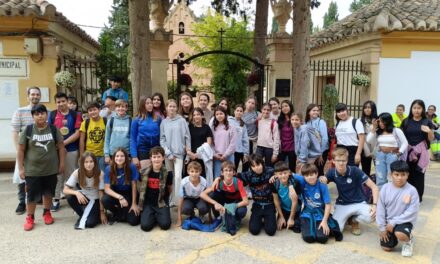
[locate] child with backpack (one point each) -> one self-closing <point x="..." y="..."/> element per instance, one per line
<point x="242" y="146"/>
<point x="316" y="222"/>
<point x="268" y="142"/>
<point x="155" y="189"/>
<point x="92" y="134"/>
<point x="314" y="121"/>
<point x="307" y="144"/>
<point x="228" y="197"/>
<point x="117" y="131"/>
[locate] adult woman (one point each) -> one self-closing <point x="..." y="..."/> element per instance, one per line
<point x="350" y="134"/>
<point x="144" y="134"/>
<point x="390" y="143"/>
<point x="159" y="105"/>
<point x="287" y="135"/>
<point x="186" y="106"/>
<point x="368" y="118"/>
<point x="319" y="127"/>
<point x="120" y="185"/>
<point x="418" y="131"/>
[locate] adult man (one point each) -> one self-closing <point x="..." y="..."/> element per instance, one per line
<point x="115" y="90"/>
<point x="21" y="118"/>
<point x="40" y="157"/>
<point x="68" y="122"/>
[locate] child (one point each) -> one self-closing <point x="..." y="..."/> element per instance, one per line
<point x="307" y="144"/>
<point x="190" y="190"/>
<point x="156" y="186"/>
<point x="397" y="210"/>
<point x="86" y="201"/>
<point x="120" y="181"/>
<point x="263" y="207"/>
<point x="250" y="117"/>
<point x="72" y="102"/>
<point x="242" y="143"/>
<point x="159" y="105"/>
<point x="117" y="132"/>
<point x="285" y="198"/>
<point x="228" y="195"/>
<point x="351" y="200"/>
<point x="268" y="142"/>
<point x="316" y="222"/>
<point x="224" y="139"/>
<point x="108" y="110"/>
<point x="176" y="141"/>
<point x="92" y="134"/>
<point x="186" y="106"/>
<point x="203" y="104"/>
<point x="287" y="134"/>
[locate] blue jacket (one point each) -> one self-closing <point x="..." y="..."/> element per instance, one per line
<point x="144" y="135"/>
<point x="117" y="93"/>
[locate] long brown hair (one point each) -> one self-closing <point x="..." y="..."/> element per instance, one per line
<point x="225" y="122"/>
<point x="181" y="111"/>
<point x="82" y="172"/>
<point x="142" y="111"/>
<point x="114" y="168"/>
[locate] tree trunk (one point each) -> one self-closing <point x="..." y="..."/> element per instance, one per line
<point x="140" y="66"/>
<point x="260" y="32"/>
<point x="301" y="55"/>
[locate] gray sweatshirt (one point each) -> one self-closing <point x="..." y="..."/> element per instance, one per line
<point x="175" y="137"/>
<point x="307" y="145"/>
<point x="397" y="205"/>
<point x="117" y="135"/>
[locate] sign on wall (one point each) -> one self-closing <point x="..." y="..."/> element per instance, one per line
<point x="13" y="67"/>
<point x="8" y="98"/>
<point x="282" y="88"/>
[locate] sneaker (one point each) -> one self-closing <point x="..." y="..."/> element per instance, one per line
<point x="355" y="228"/>
<point x="76" y="226"/>
<point x="55" y="206"/>
<point x="29" y="224"/>
<point x="21" y="209"/>
<point x="407" y="248"/>
<point x="47" y="217"/>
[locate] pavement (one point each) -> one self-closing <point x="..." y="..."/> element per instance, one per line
<point x="121" y="243"/>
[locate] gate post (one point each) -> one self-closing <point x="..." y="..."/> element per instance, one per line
<point x="160" y="41"/>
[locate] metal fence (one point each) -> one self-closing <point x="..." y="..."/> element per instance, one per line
<point x="338" y="73"/>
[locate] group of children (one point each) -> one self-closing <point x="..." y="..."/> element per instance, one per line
<point x="130" y="170"/>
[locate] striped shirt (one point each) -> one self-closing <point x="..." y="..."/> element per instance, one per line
<point x="21" y="118"/>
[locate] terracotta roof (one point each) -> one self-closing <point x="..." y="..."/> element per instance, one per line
<point x="383" y="15"/>
<point x="41" y="8"/>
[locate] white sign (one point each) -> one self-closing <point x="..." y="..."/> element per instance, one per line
<point x="9" y="99"/>
<point x="13" y="67"/>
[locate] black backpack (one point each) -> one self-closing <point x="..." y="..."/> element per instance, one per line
<point x="88" y="123"/>
<point x="53" y="131"/>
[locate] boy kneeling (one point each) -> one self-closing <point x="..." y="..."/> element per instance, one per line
<point x="397" y="210"/>
<point x="316" y="221"/>
<point x="190" y="189"/>
<point x="228" y="197"/>
<point x="155" y="189"/>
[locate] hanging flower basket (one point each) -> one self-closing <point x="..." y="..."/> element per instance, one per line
<point x="65" y="79"/>
<point x="361" y="80"/>
<point x="185" y="79"/>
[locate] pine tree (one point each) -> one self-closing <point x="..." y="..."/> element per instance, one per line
<point x="331" y="15"/>
<point x="358" y="4"/>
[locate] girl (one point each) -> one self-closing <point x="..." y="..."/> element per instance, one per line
<point x="287" y="134"/>
<point x="225" y="104"/>
<point x="225" y="138"/>
<point x="368" y="118"/>
<point x="186" y="106"/>
<point x="390" y="143"/>
<point x="418" y="131"/>
<point x="250" y="117"/>
<point x="268" y="142"/>
<point x="86" y="201"/>
<point x="307" y="145"/>
<point x="320" y="129"/>
<point x="176" y="141"/>
<point x="242" y="144"/>
<point x="145" y="131"/>
<point x="203" y="104"/>
<point x="349" y="134"/>
<point x="72" y="102"/>
<point x="120" y="185"/>
<point x="159" y="105"/>
<point x="200" y="133"/>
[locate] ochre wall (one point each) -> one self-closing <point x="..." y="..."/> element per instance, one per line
<point x="400" y="44"/>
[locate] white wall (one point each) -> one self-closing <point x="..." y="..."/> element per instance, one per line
<point x="8" y="104"/>
<point x="402" y="80"/>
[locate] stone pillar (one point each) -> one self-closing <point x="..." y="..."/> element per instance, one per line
<point x="160" y="41"/>
<point x="280" y="59"/>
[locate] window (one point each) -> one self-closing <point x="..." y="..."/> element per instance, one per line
<point x="181" y="28"/>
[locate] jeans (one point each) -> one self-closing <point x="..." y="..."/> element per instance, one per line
<point x="266" y="153"/>
<point x="383" y="162"/>
<point x="218" y="165"/>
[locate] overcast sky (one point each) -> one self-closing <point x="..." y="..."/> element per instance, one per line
<point x="97" y="12"/>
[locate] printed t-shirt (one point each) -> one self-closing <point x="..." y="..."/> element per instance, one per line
<point x="89" y="189"/>
<point x="95" y="136"/>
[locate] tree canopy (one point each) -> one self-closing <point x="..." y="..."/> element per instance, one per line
<point x="331" y="16"/>
<point x="358" y="4"/>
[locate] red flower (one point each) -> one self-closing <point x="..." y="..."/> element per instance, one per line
<point x="185" y="79"/>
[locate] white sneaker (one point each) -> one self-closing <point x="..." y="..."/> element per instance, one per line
<point x="407" y="248"/>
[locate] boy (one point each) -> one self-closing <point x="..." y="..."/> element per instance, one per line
<point x="115" y="90"/>
<point x="316" y="222"/>
<point x="117" y="132"/>
<point x="397" y="210"/>
<point x="263" y="207"/>
<point x="40" y="157"/>
<point x="228" y="197"/>
<point x="154" y="191"/>
<point x="351" y="202"/>
<point x="108" y="110"/>
<point x="399" y="115"/>
<point x="189" y="193"/>
<point x="285" y="198"/>
<point x="68" y="122"/>
<point x="92" y="133"/>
